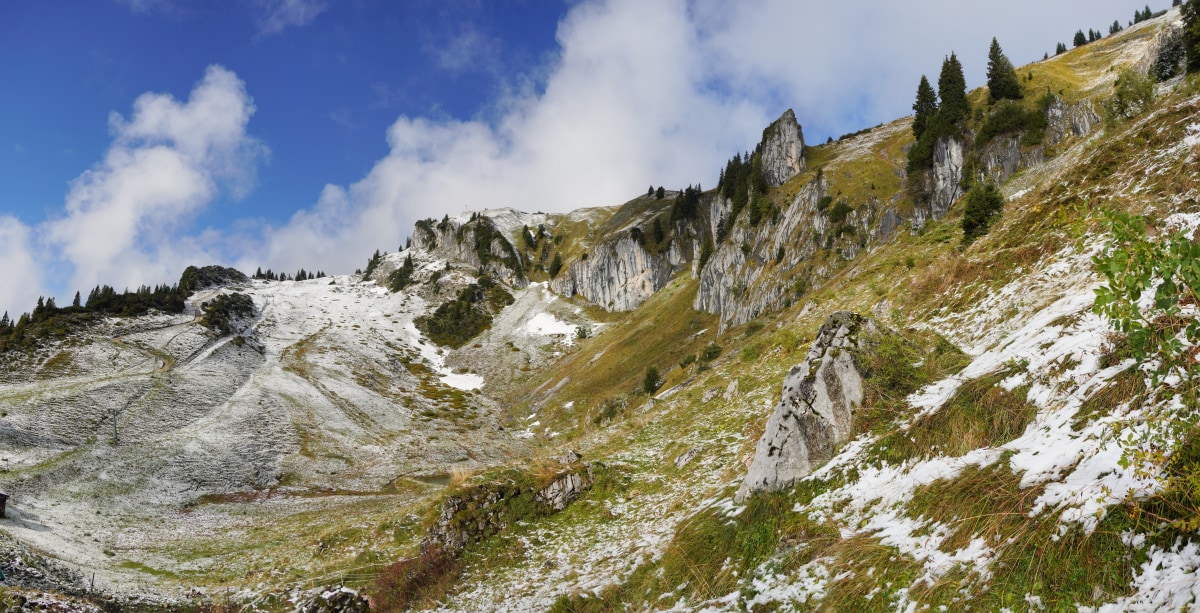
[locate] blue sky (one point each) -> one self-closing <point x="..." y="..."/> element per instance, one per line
<point x="140" y="136"/>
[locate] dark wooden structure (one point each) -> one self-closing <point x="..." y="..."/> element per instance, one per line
<point x="3" y="500"/>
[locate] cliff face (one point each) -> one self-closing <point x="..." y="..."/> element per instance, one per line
<point x="620" y="274"/>
<point x="783" y="149"/>
<point x="943" y="181"/>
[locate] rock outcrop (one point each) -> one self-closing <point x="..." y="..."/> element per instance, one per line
<point x="944" y="181"/>
<point x="783" y="149"/>
<point x="565" y="488"/>
<point x="477" y="242"/>
<point x="1063" y="120"/>
<point x="334" y="600"/>
<point x="618" y="275"/>
<point x="480" y="511"/>
<point x="815" y="412"/>
<point x="1004" y="156"/>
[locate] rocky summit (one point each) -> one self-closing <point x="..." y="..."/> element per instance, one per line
<point x="944" y="363"/>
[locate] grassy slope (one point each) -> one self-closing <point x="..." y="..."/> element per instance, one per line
<point x="921" y="277"/>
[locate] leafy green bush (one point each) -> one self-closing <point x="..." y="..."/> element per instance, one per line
<point x="1132" y="93"/>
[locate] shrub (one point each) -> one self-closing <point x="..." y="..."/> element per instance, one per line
<point x="582" y="332"/>
<point x="984" y="203"/>
<point x="840" y="211"/>
<point x="710" y="352"/>
<point x="457" y="321"/>
<point x="687" y="360"/>
<point x="652" y="381"/>
<point x="220" y="310"/>
<point x="824" y="203"/>
<point x="1132" y="93"/>
<point x="1010" y="118"/>
<point x="425" y="578"/>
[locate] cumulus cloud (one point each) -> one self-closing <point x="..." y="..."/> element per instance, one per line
<point x="122" y="219"/>
<point x="660" y="93"/>
<point x="22" y="274"/>
<point x="279" y="15"/>
<point x="623" y="107"/>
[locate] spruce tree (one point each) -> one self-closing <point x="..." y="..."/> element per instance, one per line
<point x="1080" y="38"/>
<point x="1191" y="34"/>
<point x="1060" y="49"/>
<point x="952" y="89"/>
<point x="1115" y="27"/>
<point x="1001" y="77"/>
<point x="925" y="107"/>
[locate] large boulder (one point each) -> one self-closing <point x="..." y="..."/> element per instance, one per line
<point x="814" y="414"/>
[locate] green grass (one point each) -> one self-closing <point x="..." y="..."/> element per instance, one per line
<point x="980" y="414"/>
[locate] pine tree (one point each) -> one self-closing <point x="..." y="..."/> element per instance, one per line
<point x="1191" y="34"/>
<point x="1080" y="38"/>
<point x="660" y="194"/>
<point x="1001" y="76"/>
<point x="75" y="304"/>
<point x="924" y="108"/>
<point x="952" y="89"/>
<point x="1115" y="27"/>
<point x="650" y="191"/>
<point x="1060" y="49"/>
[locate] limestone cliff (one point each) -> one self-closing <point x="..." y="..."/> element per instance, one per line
<point x="783" y="149"/>
<point x="620" y="274"/>
<point x="943" y="181"/>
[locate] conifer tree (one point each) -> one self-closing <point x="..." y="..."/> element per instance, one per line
<point x="1060" y="49"/>
<point x="1080" y="38"/>
<point x="1115" y="27"/>
<point x="924" y="108"/>
<point x="1191" y="34"/>
<point x="952" y="89"/>
<point x="1001" y="76"/>
<point x="76" y="302"/>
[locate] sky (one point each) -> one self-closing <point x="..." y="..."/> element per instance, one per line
<point x="138" y="137"/>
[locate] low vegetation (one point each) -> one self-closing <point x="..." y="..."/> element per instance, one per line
<point x="457" y="321"/>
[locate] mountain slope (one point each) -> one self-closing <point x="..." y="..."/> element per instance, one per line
<point x="328" y="438"/>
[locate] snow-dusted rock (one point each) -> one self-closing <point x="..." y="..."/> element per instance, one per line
<point x="783" y="149"/>
<point x="815" y="411"/>
<point x="334" y="600"/>
<point x="565" y="488"/>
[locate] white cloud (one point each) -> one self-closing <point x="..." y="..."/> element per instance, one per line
<point x="278" y="15"/>
<point x="22" y="274"/>
<point x="659" y="93"/>
<point x="624" y="106"/>
<point x="470" y="50"/>
<point x="122" y="218"/>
